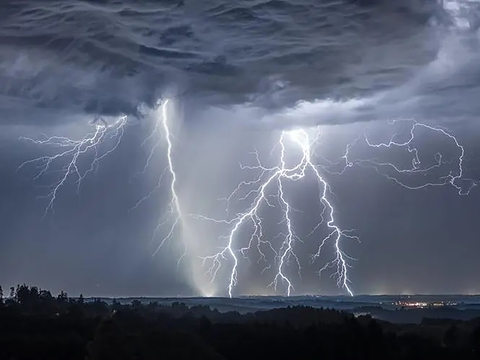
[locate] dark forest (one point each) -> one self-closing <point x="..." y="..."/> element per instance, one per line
<point x="36" y="325"/>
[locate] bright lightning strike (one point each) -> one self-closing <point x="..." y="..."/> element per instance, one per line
<point x="71" y="153"/>
<point x="69" y="159"/>
<point x="269" y="184"/>
<point x="274" y="178"/>
<point x="265" y="192"/>
<point x="173" y="217"/>
<point x="175" y="212"/>
<point x="454" y="177"/>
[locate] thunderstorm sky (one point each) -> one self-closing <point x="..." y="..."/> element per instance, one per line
<point x="236" y="77"/>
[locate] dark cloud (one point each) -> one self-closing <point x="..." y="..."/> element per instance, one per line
<point x="110" y="58"/>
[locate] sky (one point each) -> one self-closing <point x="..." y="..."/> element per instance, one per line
<point x="97" y="239"/>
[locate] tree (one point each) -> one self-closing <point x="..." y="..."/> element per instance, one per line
<point x="46" y="296"/>
<point x="476" y="341"/>
<point x="110" y="342"/>
<point x="12" y="292"/>
<point x="451" y="336"/>
<point x="1" y="296"/>
<point x="136" y="303"/>
<point x="375" y="331"/>
<point x="205" y="326"/>
<point x="27" y="296"/>
<point x="81" y="300"/>
<point x="62" y="298"/>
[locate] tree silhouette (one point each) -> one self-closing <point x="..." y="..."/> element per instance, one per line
<point x="476" y="341"/>
<point x="451" y="337"/>
<point x="110" y="342"/>
<point x="26" y="296"/>
<point x="62" y="297"/>
<point x="41" y="326"/>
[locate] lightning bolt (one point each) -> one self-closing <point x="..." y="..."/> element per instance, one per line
<point x="173" y="217"/>
<point x="445" y="172"/>
<point x="275" y="177"/>
<point x="71" y="153"/>
<point x="266" y="191"/>
<point x="67" y="162"/>
<point x="389" y="170"/>
<point x="175" y="213"/>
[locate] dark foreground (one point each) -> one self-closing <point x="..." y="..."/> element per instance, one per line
<point x="36" y="325"/>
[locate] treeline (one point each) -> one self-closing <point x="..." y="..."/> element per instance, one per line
<point x="36" y="325"/>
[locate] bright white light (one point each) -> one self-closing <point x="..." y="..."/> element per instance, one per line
<point x="270" y="184"/>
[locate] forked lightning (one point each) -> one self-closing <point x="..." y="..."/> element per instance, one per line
<point x="72" y="152"/>
<point x="438" y="167"/>
<point x="265" y="192"/>
<point x="273" y="178"/>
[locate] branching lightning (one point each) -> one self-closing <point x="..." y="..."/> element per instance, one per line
<point x="67" y="162"/>
<point x="453" y="177"/>
<point x="259" y="191"/>
<point x="267" y="191"/>
<point x="72" y="152"/>
<point x="275" y="177"/>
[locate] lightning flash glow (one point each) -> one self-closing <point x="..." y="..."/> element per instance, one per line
<point x="274" y="177"/>
<point x="267" y="191"/>
<point x="260" y="191"/>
